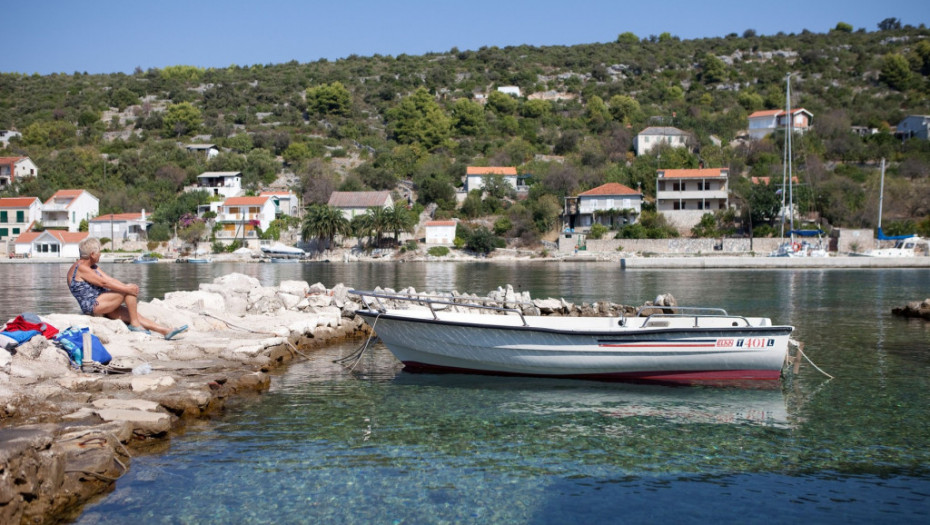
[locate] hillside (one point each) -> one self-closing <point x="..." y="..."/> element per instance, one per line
<point x="370" y="122"/>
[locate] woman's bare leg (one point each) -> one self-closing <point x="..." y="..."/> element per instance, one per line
<point x="108" y="306"/>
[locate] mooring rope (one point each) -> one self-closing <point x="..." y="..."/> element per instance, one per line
<point x="356" y="356"/>
<point x="231" y="325"/>
<point x="800" y="347"/>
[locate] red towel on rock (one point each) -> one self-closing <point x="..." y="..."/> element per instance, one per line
<point x="21" y="325"/>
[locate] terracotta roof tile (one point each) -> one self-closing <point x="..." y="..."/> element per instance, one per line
<point x="358" y="199"/>
<point x="611" y="188"/>
<point x="491" y="170"/>
<point x="17" y="202"/>
<point x="705" y="173"/>
<point x="245" y="201"/>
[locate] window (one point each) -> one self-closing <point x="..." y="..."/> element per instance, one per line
<point x="15" y="231"/>
<point x="20" y="216"/>
<point x="3" y="217"/>
<point x="4" y="232"/>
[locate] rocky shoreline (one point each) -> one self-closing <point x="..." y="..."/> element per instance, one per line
<point x="67" y="435"/>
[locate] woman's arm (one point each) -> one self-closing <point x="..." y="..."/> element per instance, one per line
<point x="105" y="281"/>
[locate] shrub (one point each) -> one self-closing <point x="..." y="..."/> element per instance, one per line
<point x="597" y="231"/>
<point x="438" y="251"/>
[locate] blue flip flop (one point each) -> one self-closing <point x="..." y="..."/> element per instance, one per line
<point x="138" y="329"/>
<point x="175" y="332"/>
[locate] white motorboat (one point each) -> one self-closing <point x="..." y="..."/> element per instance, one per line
<point x="679" y="345"/>
<point x="282" y="251"/>
<point x="907" y="247"/>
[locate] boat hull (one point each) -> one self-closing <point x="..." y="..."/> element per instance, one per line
<point x="678" y="355"/>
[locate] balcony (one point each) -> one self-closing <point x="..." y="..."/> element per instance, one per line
<point x="694" y="195"/>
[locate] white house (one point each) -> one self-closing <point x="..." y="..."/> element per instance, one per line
<point x="684" y="196"/>
<point x="440" y="232"/>
<point x="49" y="244"/>
<point x="476" y="175"/>
<point x="17" y="215"/>
<point x="353" y="203"/>
<point x="13" y="168"/>
<point x="219" y="183"/>
<point x="762" y="123"/>
<point x="655" y="135"/>
<point x="286" y="203"/>
<point x="238" y="217"/>
<point x="610" y="204"/>
<point x="914" y="126"/>
<point x="6" y="135"/>
<point x="510" y="90"/>
<point x="207" y="150"/>
<point x="67" y="208"/>
<point x="120" y="226"/>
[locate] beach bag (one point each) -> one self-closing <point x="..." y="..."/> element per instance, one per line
<point x="72" y="340"/>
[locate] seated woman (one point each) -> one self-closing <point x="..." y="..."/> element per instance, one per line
<point x="99" y="294"/>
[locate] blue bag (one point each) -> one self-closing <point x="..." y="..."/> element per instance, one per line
<point x="72" y="340"/>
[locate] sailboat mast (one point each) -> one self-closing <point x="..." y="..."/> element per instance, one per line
<point x="881" y="196"/>
<point x="788" y="129"/>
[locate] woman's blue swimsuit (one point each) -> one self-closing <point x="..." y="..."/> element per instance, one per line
<point x="85" y="292"/>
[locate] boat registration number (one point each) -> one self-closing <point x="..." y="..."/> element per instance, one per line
<point x="745" y="342"/>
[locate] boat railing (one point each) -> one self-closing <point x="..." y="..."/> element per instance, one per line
<point x="697" y="312"/>
<point x="430" y="301"/>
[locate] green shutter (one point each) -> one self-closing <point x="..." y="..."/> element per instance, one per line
<point x="4" y="232"/>
<point x="3" y="217"/>
<point x="20" y="216"/>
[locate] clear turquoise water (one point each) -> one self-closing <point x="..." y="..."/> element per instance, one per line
<point x="378" y="445"/>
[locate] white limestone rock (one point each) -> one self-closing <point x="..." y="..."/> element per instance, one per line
<point x="146" y="383"/>
<point x="298" y="288"/>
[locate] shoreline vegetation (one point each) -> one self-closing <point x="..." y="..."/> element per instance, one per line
<point x="68" y="434"/>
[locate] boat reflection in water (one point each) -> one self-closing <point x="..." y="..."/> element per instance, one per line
<point x="671" y="404"/>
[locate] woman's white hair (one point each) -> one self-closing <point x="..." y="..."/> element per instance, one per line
<point x="88" y="247"/>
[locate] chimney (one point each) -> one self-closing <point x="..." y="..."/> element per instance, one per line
<point x="143" y="215"/>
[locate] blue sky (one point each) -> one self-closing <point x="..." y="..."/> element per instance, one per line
<point x="108" y="36"/>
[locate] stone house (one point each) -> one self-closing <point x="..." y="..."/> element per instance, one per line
<point x="653" y="136"/>
<point x="762" y="123"/>
<point x="17" y="215"/>
<point x="354" y="203"/>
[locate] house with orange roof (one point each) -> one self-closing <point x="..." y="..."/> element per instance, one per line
<point x="762" y="123"/>
<point x="67" y="208"/>
<point x="16" y="168"/>
<point x="476" y="176"/>
<point x="240" y="217"/>
<point x="285" y="202"/>
<point x="17" y="215"/>
<point x="440" y="232"/>
<point x="355" y="203"/>
<point x="52" y="244"/>
<point x="120" y="226"/>
<point x="613" y="205"/>
<point x="683" y="196"/>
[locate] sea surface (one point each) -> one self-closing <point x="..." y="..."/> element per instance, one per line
<point x="375" y="444"/>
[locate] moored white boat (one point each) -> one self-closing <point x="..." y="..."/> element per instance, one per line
<point x="688" y="346"/>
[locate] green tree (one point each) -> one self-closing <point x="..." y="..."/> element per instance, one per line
<point x="596" y="114"/>
<point x="627" y="38"/>
<point x="468" y="118"/>
<point x="502" y="103"/>
<point x="181" y="119"/>
<point x="896" y="72"/>
<point x="399" y="219"/>
<point x="324" y="223"/>
<point x="419" y="119"/>
<point x="713" y="70"/>
<point x="623" y="108"/>
<point x="843" y="27"/>
<point x="329" y="99"/>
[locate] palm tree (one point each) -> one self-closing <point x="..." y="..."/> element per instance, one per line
<point x="399" y="219"/>
<point x="378" y="219"/>
<point x="324" y="222"/>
